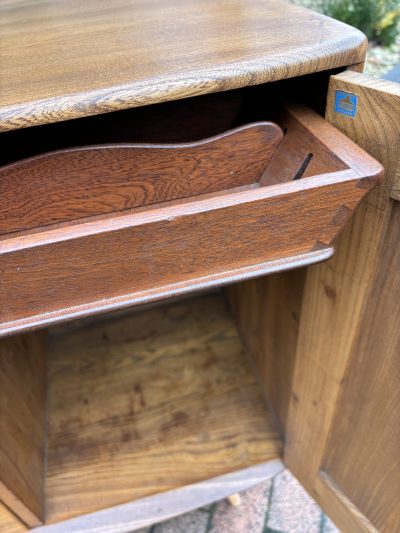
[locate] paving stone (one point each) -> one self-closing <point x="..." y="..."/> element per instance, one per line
<point x="194" y="522"/>
<point x="329" y="526"/>
<point x="291" y="508"/>
<point x="248" y="517"/>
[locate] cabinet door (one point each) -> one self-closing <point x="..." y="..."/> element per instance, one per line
<point x="343" y="422"/>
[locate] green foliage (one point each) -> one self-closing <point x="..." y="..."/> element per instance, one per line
<point x="378" y="19"/>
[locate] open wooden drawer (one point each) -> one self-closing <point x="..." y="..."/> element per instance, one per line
<point x="100" y="228"/>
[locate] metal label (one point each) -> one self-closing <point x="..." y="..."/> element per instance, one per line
<point x="346" y="103"/>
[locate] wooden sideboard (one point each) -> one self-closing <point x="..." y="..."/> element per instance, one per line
<point x="198" y="263"/>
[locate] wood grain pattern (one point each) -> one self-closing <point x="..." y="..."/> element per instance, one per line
<point x="160" y="507"/>
<point x="341" y="507"/>
<point x="170" y="291"/>
<point x="156" y="400"/>
<point x="267" y="311"/>
<point x="369" y="401"/>
<point x="98" y="57"/>
<point x="22" y="426"/>
<point x="301" y="140"/>
<point x="71" y="184"/>
<point x="338" y="332"/>
<point x="95" y="262"/>
<point x="186" y="120"/>
<point x="9" y="523"/>
<point x="91" y="263"/>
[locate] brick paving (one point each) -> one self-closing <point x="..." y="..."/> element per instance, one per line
<point x="279" y="505"/>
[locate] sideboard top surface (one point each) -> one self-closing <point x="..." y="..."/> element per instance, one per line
<point x="69" y="59"/>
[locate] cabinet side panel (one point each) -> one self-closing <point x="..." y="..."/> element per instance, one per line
<point x="10" y="523"/>
<point x="340" y="432"/>
<point x="267" y="311"/>
<point x="22" y="425"/>
<point x="362" y="455"/>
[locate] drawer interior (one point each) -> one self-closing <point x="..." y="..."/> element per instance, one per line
<point x="116" y="163"/>
<point x="146" y="402"/>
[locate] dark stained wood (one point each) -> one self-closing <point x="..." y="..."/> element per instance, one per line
<point x="186" y="120"/>
<point x="73" y="270"/>
<point x="171" y="291"/>
<point x="100" y="57"/>
<point x="156" y="400"/>
<point x="145" y="252"/>
<point x="22" y="426"/>
<point x="342" y="430"/>
<point x="76" y="183"/>
<point x="298" y="143"/>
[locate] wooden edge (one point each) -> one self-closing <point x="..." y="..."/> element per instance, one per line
<point x="222" y="278"/>
<point x="22" y="413"/>
<point x="72" y="185"/>
<point x="210" y="79"/>
<point x="156" y="214"/>
<point x="161" y="507"/>
<point x="18" y="508"/>
<point x="342" y="510"/>
<point x="9" y="523"/>
<point x="344" y="148"/>
<point x="379" y="86"/>
<point x="357" y="67"/>
<point x="395" y="190"/>
<point x="265" y="126"/>
<point x="369" y="82"/>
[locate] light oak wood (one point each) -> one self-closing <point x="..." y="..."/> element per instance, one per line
<point x="344" y="380"/>
<point x="267" y="311"/>
<point x="341" y="507"/>
<point x="156" y="400"/>
<point x="153" y="251"/>
<point x="22" y="425"/>
<point x="365" y="462"/>
<point x="9" y="523"/>
<point x="153" y="509"/>
<point x="95" y="57"/>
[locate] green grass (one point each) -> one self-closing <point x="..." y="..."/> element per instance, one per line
<point x="378" y="19"/>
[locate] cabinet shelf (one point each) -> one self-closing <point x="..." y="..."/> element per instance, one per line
<point x="150" y="402"/>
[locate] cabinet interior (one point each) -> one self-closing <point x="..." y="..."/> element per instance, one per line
<point x="150" y="401"/>
<point x="163" y="396"/>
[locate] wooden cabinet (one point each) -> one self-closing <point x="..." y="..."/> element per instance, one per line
<point x="334" y="379"/>
<point x="174" y="326"/>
